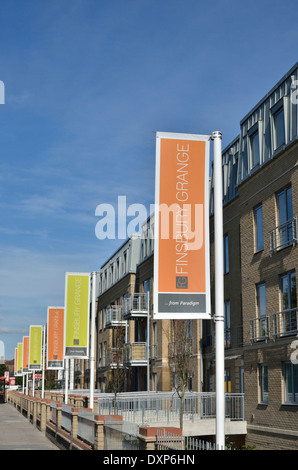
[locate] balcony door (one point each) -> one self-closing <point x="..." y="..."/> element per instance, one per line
<point x="285" y="216"/>
<point x="288" y="302"/>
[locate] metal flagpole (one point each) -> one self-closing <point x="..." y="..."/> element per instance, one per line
<point x="92" y="345"/>
<point x="43" y="362"/>
<point x="33" y="384"/>
<point x="219" y="292"/>
<point x="148" y="341"/>
<point x="66" y="374"/>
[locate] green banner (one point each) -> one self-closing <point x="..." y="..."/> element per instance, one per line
<point x="77" y="305"/>
<point x="35" y="343"/>
<point x="20" y="358"/>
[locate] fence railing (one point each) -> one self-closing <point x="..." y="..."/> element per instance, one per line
<point x="166" y="440"/>
<point x="164" y="407"/>
<point x="74" y="427"/>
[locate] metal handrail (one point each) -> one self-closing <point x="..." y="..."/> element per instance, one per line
<point x="285" y="323"/>
<point x="283" y="235"/>
<point x="260" y="328"/>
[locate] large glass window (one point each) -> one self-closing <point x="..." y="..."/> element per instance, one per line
<point x="258" y="225"/>
<point x="279" y="127"/>
<point x="261" y="310"/>
<point x="263" y="383"/>
<point x="291" y="383"/>
<point x="285" y="216"/>
<point x="288" y="302"/>
<point x="226" y="253"/>
<point x="255" y="149"/>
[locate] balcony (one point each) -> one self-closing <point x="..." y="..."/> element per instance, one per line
<point x="135" y="306"/>
<point x="283" y="235"/>
<point x="135" y="354"/>
<point x="259" y="329"/>
<point x="113" y="317"/>
<point x="285" y="323"/>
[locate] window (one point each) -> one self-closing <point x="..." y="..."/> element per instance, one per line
<point x="288" y="302"/>
<point x="291" y="383"/>
<point x="263" y="383"/>
<point x="258" y="225"/>
<point x="254" y="149"/>
<point x="261" y="311"/>
<point x="285" y="216"/>
<point x="279" y="128"/>
<point x="261" y="299"/>
<point x="100" y="355"/>
<point x="226" y="253"/>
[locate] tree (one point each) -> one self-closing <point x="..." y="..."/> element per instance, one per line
<point x="180" y="348"/>
<point x="3" y="369"/>
<point x="116" y="368"/>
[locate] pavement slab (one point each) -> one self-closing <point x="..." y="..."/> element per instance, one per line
<point x="17" y="433"/>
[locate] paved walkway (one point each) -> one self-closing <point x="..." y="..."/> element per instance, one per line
<point x="17" y="433"/>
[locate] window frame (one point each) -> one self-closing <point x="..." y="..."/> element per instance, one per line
<point x="258" y="225"/>
<point x="226" y="264"/>
<point x="294" y="387"/>
<point x="263" y="384"/>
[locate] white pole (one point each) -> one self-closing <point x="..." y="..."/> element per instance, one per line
<point x="219" y="293"/>
<point x="43" y="362"/>
<point x="27" y="383"/>
<point x="23" y="384"/>
<point x="148" y="341"/>
<point x="66" y="364"/>
<point x="92" y="346"/>
<point x="33" y="384"/>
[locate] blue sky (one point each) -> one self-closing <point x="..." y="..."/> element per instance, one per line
<point x="87" y="82"/>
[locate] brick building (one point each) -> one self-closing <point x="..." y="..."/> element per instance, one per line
<point x="260" y="205"/>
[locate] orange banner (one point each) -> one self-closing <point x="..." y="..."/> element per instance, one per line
<point x="181" y="252"/>
<point x="26" y="353"/>
<point x="55" y="337"/>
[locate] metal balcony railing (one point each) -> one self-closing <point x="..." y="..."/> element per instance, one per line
<point x="283" y="235"/>
<point x="259" y="328"/>
<point x="114" y="317"/>
<point x="136" y="305"/>
<point x="285" y="323"/>
<point x="135" y="354"/>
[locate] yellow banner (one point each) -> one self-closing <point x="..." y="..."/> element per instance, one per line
<point x="20" y="358"/>
<point x="35" y="342"/>
<point x="77" y="305"/>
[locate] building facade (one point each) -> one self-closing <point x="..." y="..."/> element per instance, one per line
<point x="260" y="207"/>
